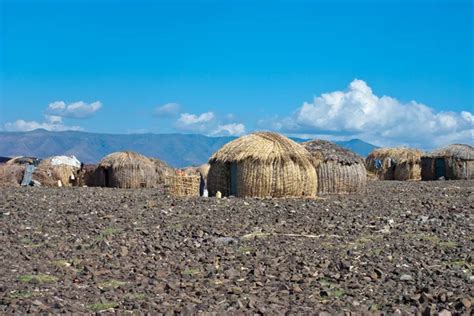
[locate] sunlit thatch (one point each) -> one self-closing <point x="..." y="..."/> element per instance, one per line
<point x="339" y="170"/>
<point x="396" y="163"/>
<point x="262" y="164"/>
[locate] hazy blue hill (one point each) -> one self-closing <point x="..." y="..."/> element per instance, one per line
<point x="178" y="150"/>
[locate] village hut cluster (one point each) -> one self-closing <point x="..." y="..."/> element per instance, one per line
<point x="262" y="164"/>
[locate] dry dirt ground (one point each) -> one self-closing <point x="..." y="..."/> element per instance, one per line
<point x="403" y="247"/>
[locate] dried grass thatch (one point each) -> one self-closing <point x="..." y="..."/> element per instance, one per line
<point x="11" y="175"/>
<point x="21" y="160"/>
<point x="339" y="170"/>
<point x="453" y="162"/>
<point x="126" y="170"/>
<point x="397" y="163"/>
<point x="163" y="171"/>
<point x="260" y="165"/>
<point x="67" y="174"/>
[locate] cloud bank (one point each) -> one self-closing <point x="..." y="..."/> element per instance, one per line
<point x="77" y="110"/>
<point x="51" y="123"/>
<point x="358" y="112"/>
<point x="54" y="115"/>
<point x="209" y="124"/>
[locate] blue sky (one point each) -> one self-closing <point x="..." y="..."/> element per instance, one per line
<point x="389" y="72"/>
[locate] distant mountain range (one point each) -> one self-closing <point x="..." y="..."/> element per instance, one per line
<point x="178" y="150"/>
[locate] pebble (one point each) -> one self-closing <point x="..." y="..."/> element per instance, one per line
<point x="406" y="277"/>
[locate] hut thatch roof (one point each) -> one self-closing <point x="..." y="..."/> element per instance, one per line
<point x="326" y="151"/>
<point x="22" y="160"/>
<point x="459" y="151"/>
<point x="128" y="159"/>
<point x="261" y="147"/>
<point x="400" y="154"/>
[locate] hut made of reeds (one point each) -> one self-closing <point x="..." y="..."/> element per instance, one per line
<point x="454" y="162"/>
<point x="262" y="164"/>
<point x="53" y="171"/>
<point x="395" y="163"/>
<point x="45" y="173"/>
<point x="11" y="175"/>
<point x="339" y="170"/>
<point x="126" y="169"/>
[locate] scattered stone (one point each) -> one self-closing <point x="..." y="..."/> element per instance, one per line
<point x="406" y="277"/>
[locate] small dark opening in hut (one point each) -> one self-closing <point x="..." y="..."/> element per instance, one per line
<point x="440" y="169"/>
<point x="107" y="177"/>
<point x="233" y="179"/>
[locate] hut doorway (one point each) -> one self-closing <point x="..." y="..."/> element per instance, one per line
<point x="440" y="169"/>
<point x="233" y="179"/>
<point x="107" y="177"/>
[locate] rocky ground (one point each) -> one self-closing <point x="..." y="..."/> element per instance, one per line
<point x="403" y="247"/>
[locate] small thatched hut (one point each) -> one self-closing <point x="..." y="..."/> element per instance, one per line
<point x="260" y="165"/>
<point x="126" y="170"/>
<point x="454" y="162"/>
<point x="339" y="170"/>
<point x="61" y="168"/>
<point x="46" y="173"/>
<point x="395" y="163"/>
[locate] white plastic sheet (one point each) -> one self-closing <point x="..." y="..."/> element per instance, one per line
<point x="66" y="160"/>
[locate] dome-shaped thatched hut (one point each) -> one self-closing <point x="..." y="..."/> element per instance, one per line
<point x="260" y="165"/>
<point x="395" y="163"/>
<point x="453" y="162"/>
<point x="127" y="170"/>
<point x="339" y="170"/>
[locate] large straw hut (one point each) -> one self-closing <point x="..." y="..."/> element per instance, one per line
<point x="454" y="162"/>
<point x="339" y="170"/>
<point x="395" y="163"/>
<point x="262" y="164"/>
<point x="130" y="170"/>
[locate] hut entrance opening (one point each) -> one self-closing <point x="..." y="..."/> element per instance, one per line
<point x="107" y="177"/>
<point x="440" y="170"/>
<point x="233" y="179"/>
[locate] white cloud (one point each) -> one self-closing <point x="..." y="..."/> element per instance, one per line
<point x="25" y="126"/>
<point x="193" y="123"/>
<point x="209" y="124"/>
<point x="167" y="110"/>
<point x="77" y="110"/>
<point x="358" y="112"/>
<point x="233" y="129"/>
<point x="190" y="119"/>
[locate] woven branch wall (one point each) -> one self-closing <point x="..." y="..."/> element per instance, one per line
<point x="181" y="185"/>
